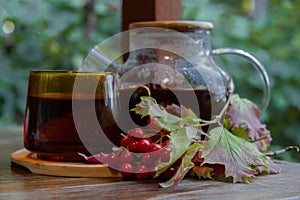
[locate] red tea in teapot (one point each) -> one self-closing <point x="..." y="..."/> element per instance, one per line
<point x="131" y="96"/>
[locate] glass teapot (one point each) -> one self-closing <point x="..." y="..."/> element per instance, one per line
<point x="173" y="62"/>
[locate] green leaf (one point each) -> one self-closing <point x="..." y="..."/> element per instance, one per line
<point x="182" y="130"/>
<point x="241" y="158"/>
<point x="180" y="141"/>
<point x="223" y="150"/>
<point x="147" y="105"/>
<point x="184" y="167"/>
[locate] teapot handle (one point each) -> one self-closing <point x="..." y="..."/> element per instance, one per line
<point x="256" y="64"/>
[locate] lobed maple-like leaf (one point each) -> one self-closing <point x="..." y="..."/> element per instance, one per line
<point x="203" y="171"/>
<point x="182" y="129"/>
<point x="210" y="171"/>
<point x="170" y="122"/>
<point x="180" y="111"/>
<point x="148" y="106"/>
<point x="184" y="167"/>
<point x="223" y="154"/>
<point x="241" y="158"/>
<point x="243" y="120"/>
<point x="180" y="141"/>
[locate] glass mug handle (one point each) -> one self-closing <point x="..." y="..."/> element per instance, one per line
<point x="256" y="64"/>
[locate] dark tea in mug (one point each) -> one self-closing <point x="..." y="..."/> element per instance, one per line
<point x="69" y="112"/>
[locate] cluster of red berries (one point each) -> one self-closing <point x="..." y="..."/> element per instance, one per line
<point x="140" y="153"/>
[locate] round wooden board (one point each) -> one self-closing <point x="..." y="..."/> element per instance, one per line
<point x="29" y="160"/>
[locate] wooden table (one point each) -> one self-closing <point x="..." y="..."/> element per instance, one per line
<point x="17" y="183"/>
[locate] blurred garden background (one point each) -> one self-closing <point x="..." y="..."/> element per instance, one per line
<point x="57" y="34"/>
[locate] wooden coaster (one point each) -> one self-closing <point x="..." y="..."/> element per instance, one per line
<point x="29" y="160"/>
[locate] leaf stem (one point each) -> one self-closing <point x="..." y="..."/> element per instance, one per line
<point x="259" y="139"/>
<point x="218" y="118"/>
<point x="289" y="148"/>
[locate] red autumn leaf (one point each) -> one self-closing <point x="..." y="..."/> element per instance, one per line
<point x="243" y="119"/>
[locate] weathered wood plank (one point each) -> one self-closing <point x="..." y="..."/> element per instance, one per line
<point x="18" y="183"/>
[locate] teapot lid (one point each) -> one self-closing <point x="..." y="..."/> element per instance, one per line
<point x="175" y="25"/>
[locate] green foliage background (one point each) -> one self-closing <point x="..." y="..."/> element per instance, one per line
<point x="57" y="34"/>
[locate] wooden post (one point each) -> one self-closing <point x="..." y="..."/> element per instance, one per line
<point x="150" y="10"/>
<point x="168" y="10"/>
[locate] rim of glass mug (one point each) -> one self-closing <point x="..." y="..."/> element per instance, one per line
<point x="63" y="80"/>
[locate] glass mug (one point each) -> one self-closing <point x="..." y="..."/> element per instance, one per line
<point x="70" y="112"/>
